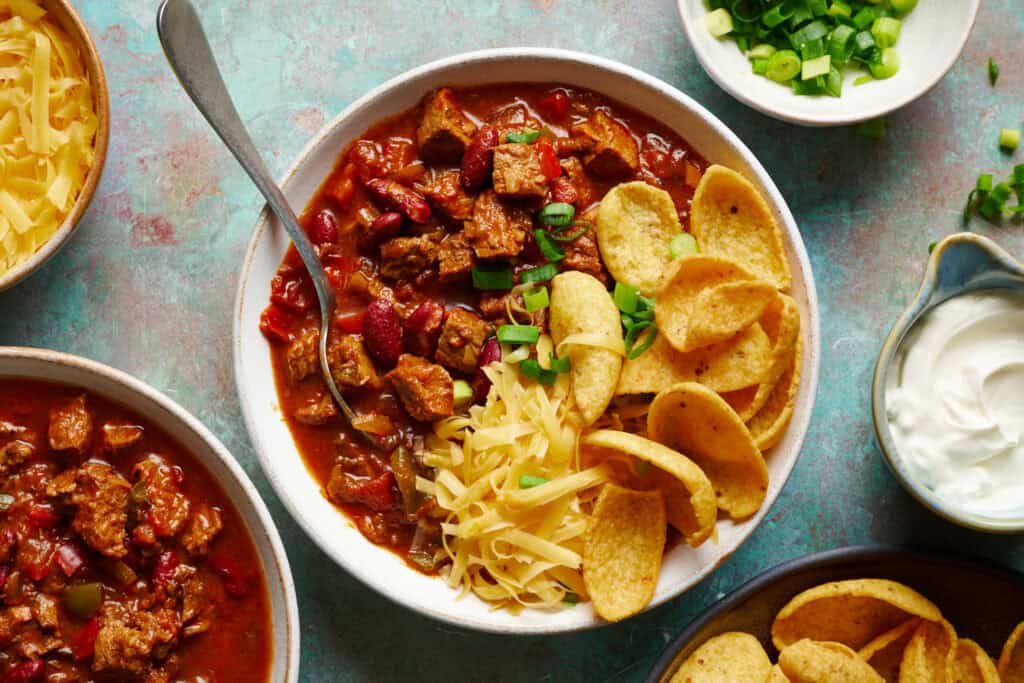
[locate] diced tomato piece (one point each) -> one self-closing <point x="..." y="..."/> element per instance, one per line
<point x="276" y="324"/>
<point x="350" y="323"/>
<point x="323" y="229"/>
<point x="84" y="644"/>
<point x="43" y="516"/>
<point x="166" y="563"/>
<point x="27" y="671"/>
<point x="70" y="558"/>
<point x="549" y="165"/>
<point x="233" y="576"/>
<point x="293" y="290"/>
<point x="555" y="104"/>
<point x="562" y="190"/>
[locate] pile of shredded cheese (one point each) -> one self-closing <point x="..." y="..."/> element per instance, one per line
<point x="513" y="546"/>
<point x="47" y="125"/>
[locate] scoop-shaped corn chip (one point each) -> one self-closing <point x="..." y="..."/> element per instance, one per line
<point x="769" y="423"/>
<point x="635" y="224"/>
<point x="885" y="652"/>
<point x="809" y="661"/>
<point x="696" y="421"/>
<point x="582" y="311"/>
<point x="731" y="218"/>
<point x="689" y="498"/>
<point x="850" y="612"/>
<point x="971" y="664"/>
<point x="1011" y="661"/>
<point x="930" y="653"/>
<point x="732" y="657"/>
<point x="622" y="551"/>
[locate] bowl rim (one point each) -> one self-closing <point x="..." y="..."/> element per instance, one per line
<point x="396" y="83"/>
<point x="919" y="305"/>
<point x="820" y="120"/>
<point x="101" y="98"/>
<point x="191" y="423"/>
<point x="821" y="560"/>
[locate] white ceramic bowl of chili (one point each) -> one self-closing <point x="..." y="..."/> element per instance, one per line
<point x="145" y="401"/>
<point x="931" y="40"/>
<point x="376" y="566"/>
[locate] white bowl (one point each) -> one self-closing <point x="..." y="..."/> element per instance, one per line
<point x="932" y="38"/>
<point x="328" y="526"/>
<point x="116" y="386"/>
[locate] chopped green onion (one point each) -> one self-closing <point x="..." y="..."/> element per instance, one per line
<point x="536" y="299"/>
<point x="1017" y="177"/>
<point x="463" y="392"/>
<point x="985" y="182"/>
<point x="626" y="297"/>
<point x="547" y="246"/>
<point x="993" y="72"/>
<point x="635" y="345"/>
<point x="683" y="243"/>
<point x="762" y="51"/>
<point x="528" y="481"/>
<point x="539" y="274"/>
<point x="886" y="31"/>
<point x="489" y="278"/>
<point x="888" y="66"/>
<point x="783" y="66"/>
<point x="83" y="599"/>
<point x="532" y="369"/>
<point x="903" y="6"/>
<point x="816" y="67"/>
<point x="866" y="78"/>
<point x="526" y="136"/>
<point x="873" y="128"/>
<point x="561" y="235"/>
<point x="645" y="303"/>
<point x="558" y="214"/>
<point x="865" y="17"/>
<point x="571" y="599"/>
<point x="559" y="364"/>
<point x="777" y="15"/>
<point x="518" y="334"/>
<point x="931" y="247"/>
<point x="1009" y="139"/>
<point x="759" y="66"/>
<point x="719" y="22"/>
<point x="863" y="42"/>
<point x="840" y="9"/>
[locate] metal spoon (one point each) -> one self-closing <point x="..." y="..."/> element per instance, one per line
<point x="185" y="45"/>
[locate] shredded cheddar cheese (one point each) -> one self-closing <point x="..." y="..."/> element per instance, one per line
<point x="47" y="125"/>
<point x="514" y="546"/>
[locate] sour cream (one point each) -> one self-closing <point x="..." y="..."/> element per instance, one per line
<point x="955" y="401"/>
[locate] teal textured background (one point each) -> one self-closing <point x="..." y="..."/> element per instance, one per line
<point x="147" y="284"/>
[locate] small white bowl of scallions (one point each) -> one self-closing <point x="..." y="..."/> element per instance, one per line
<point x="827" y="62"/>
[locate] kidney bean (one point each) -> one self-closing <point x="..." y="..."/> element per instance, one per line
<point x="383" y="228"/>
<point x="27" y="671"/>
<point x="478" y="159"/>
<point x="562" y="190"/>
<point x="401" y="198"/>
<point x="383" y="333"/>
<point x="490" y="353"/>
<point x="324" y="228"/>
<point x="423" y="327"/>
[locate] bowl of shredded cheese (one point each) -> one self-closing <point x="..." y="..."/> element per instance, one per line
<point x="54" y="127"/>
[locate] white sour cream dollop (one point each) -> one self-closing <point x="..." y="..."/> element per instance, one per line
<point x="955" y="401"/>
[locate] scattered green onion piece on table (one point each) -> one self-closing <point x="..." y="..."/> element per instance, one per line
<point x="560" y="364"/>
<point x="532" y="369"/>
<point x="518" y="334"/>
<point x="528" y="481"/>
<point x="1009" y="139"/>
<point x="931" y="247"/>
<point x="547" y="246"/>
<point x="463" y="392"/>
<point x="683" y="243"/>
<point x="985" y="182"/>
<point x="873" y="128"/>
<point x="558" y="214"/>
<point x="536" y="299"/>
<point x="526" y="136"/>
<point x="492" y="278"/>
<point x="539" y="274"/>
<point x="626" y="298"/>
<point x="993" y="72"/>
<point x="783" y="66"/>
<point x="719" y="22"/>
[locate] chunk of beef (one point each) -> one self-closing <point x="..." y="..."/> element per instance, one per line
<point x="407" y="257"/>
<point x="586" y="195"/>
<point x="45" y="612"/>
<point x="127" y="638"/>
<point x="202" y="528"/>
<point x="517" y="172"/>
<point x="497" y="230"/>
<point x="166" y="507"/>
<point x="446" y="193"/>
<point x="100" y="495"/>
<point x="495" y="307"/>
<point x="317" y="412"/>
<point x="350" y="364"/>
<point x="32" y="642"/>
<point x="425" y="388"/>
<point x="14" y="453"/>
<point x="582" y="254"/>
<point x="614" y="154"/>
<point x="455" y="258"/>
<point x="462" y="337"/>
<point x="71" y="426"/>
<point x="11" y="620"/>
<point x="117" y="437"/>
<point x="303" y="356"/>
<point x="512" y="118"/>
<point x="444" y="130"/>
<point x="376" y="493"/>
